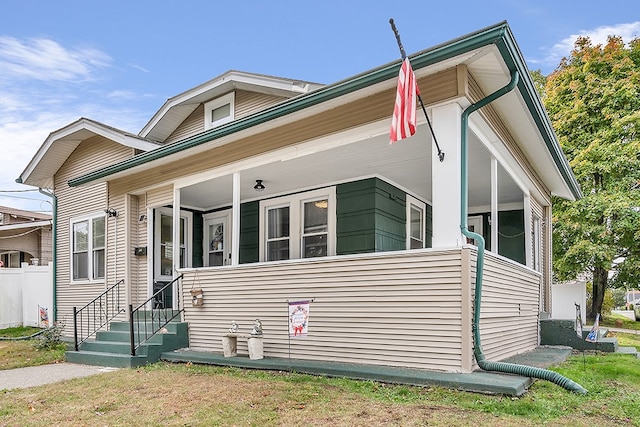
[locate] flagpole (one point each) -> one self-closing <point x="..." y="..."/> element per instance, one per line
<point x="424" y="110"/>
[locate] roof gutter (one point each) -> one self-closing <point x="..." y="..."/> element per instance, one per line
<point x="487" y="36"/>
<point x="511" y="368"/>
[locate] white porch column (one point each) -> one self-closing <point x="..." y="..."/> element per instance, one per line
<point x="494" y="205"/>
<point x="176" y="233"/>
<point x="235" y="221"/>
<point x="445" y="177"/>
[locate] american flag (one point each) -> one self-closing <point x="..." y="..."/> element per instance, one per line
<point x="403" y="124"/>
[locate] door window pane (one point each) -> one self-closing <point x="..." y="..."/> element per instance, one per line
<point x="216" y="244"/>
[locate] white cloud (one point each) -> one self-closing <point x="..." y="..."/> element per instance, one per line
<point x="598" y="35"/>
<point x="46" y="60"/>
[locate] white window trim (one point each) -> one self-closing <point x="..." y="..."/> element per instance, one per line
<point x="217" y="103"/>
<point x="412" y="201"/>
<point x="296" y="203"/>
<point x="90" y="218"/>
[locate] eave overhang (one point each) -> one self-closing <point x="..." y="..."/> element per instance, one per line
<point x="61" y="143"/>
<point x="179" y="107"/>
<point x="499" y="36"/>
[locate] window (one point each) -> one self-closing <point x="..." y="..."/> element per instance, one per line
<point x="1" y="218"/>
<point x="415" y="223"/>
<point x="219" y="111"/>
<point x="298" y="226"/>
<point x="88" y="248"/>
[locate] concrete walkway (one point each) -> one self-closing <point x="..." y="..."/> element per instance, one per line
<point x="46" y="374"/>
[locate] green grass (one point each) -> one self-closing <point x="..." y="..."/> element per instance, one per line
<point x="20" y="331"/>
<point x="187" y="394"/>
<point x="610" y="321"/>
<point x="23" y="353"/>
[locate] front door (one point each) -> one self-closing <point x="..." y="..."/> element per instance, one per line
<point x="163" y="253"/>
<point x="217" y="244"/>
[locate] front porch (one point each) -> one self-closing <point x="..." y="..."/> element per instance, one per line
<point x="407" y="309"/>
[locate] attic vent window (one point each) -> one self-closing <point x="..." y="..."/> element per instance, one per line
<point x="219" y="111"/>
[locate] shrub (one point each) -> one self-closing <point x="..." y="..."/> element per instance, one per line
<point x="51" y="338"/>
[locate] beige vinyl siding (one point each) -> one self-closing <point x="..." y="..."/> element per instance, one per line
<point x="376" y="107"/>
<point x="509" y="310"/>
<point x="91" y="154"/>
<point x="138" y="230"/>
<point x="160" y="196"/>
<point x="401" y="308"/>
<point x="192" y="125"/>
<point x="248" y="103"/>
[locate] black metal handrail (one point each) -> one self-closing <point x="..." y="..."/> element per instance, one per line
<point x="144" y="323"/>
<point x="96" y="314"/>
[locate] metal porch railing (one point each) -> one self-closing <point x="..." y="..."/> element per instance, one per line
<point x="96" y="314"/>
<point x="145" y="323"/>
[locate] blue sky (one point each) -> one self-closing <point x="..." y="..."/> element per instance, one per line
<point x="118" y="61"/>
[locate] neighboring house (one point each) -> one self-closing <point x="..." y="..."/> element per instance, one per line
<point x="25" y="237"/>
<point x="371" y="232"/>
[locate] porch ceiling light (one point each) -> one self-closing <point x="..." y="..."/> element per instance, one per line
<point x="259" y="186"/>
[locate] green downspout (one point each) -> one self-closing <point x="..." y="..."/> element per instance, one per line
<point x="511" y="368"/>
<point x="55" y="249"/>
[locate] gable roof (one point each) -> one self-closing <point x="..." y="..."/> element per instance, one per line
<point x="27" y="215"/>
<point x="177" y="108"/>
<point x="61" y="143"/>
<point x="491" y="53"/>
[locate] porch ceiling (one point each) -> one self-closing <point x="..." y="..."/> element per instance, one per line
<point x="406" y="164"/>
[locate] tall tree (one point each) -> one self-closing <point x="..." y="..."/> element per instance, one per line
<point x="593" y="100"/>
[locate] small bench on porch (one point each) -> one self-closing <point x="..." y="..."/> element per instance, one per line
<point x="230" y="345"/>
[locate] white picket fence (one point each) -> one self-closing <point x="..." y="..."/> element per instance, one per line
<point x="26" y="295"/>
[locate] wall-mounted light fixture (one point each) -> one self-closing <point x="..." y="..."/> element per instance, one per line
<point x="111" y="213"/>
<point x="259" y="186"/>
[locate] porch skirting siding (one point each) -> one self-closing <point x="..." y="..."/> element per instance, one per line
<point x="510" y="311"/>
<point x="408" y="309"/>
<point x="400" y="309"/>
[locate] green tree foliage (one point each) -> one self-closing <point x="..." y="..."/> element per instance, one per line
<point x="593" y="100"/>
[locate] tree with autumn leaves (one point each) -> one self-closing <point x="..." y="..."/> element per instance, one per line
<point x="593" y="100"/>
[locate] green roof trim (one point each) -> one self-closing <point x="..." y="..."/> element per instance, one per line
<point x="499" y="34"/>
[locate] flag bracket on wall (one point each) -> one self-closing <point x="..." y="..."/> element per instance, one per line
<point x="403" y="123"/>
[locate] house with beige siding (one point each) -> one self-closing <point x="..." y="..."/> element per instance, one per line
<point x="255" y="191"/>
<point x="25" y="237"/>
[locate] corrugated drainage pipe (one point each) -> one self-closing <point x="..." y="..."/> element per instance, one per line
<point x="511" y="368"/>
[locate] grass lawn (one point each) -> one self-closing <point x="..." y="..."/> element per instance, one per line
<point x="623" y="322"/>
<point x="184" y="394"/>
<point x="21" y="353"/>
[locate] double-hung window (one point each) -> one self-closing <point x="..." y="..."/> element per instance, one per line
<point x="298" y="226"/>
<point x="88" y="248"/>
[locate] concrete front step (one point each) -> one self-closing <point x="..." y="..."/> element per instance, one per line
<point x="629" y="350"/>
<point x="113" y="347"/>
<point x="98" y="358"/>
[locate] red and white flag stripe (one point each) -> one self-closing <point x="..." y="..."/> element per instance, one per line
<point x="403" y="123"/>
